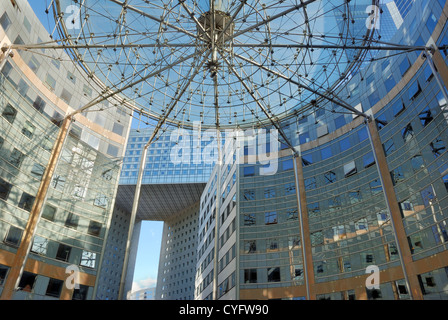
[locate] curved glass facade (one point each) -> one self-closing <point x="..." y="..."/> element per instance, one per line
<point x="358" y="193"/>
<point x="55" y="212"/>
<point x="355" y="218"/>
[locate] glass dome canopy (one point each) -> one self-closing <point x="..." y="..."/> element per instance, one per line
<point x="220" y="62"/>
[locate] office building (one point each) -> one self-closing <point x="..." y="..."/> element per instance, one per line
<point x="350" y="176"/>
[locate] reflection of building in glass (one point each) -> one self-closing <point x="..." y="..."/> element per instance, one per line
<point x="342" y="207"/>
<point x="75" y="213"/>
<point x="356" y="193"/>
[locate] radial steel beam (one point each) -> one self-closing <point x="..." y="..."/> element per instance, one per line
<point x="274" y="17"/>
<point x="235" y="45"/>
<point x="300" y="85"/>
<point x="260" y="105"/>
<point x="196" y="21"/>
<point x="159" y="20"/>
<point x="150" y="75"/>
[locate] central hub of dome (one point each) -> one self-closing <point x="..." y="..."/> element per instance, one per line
<point x="221" y="24"/>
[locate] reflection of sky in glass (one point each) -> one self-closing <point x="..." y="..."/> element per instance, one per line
<point x="267" y="34"/>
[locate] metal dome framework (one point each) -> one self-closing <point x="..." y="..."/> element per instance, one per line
<point x="224" y="64"/>
<point x="221" y="63"/>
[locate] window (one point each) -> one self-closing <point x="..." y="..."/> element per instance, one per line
<point x="5" y="188"/>
<point x="5" y="22"/>
<point x="94" y="228"/>
<point x="49" y="212"/>
<point x="54" y="288"/>
<point x="417" y="162"/>
<point x="50" y="81"/>
<point x="63" y="252"/>
<point x="406" y="208"/>
<point x="250" y="246"/>
<point x="270" y="217"/>
<point x="27" y="281"/>
<point x="14" y="236"/>
<point x="316" y="238"/>
<point x="304" y="138"/>
<point x="3" y="273"/>
<point x="397" y="175"/>
<point x="249" y="195"/>
<point x="290" y="189"/>
<point x="425" y="117"/>
<point x="326" y="153"/>
<point x="40" y="245"/>
<point x="310" y="183"/>
<point x="9" y="113"/>
<point x="274" y="274"/>
<point x="118" y="129"/>
<point x="249" y="219"/>
<point x="404" y="66"/>
<point x="345" y="144"/>
<point x="361" y="225"/>
<point x="389" y="83"/>
<point x="272" y="244"/>
<point x="381" y="121"/>
<point x="363" y="134"/>
<point x="407" y="133"/>
<point x="350" y="169"/>
<point x="354" y="196"/>
<point x="58" y="182"/>
<point x="428" y="195"/>
<point x="249" y="171"/>
<point x="298" y="273"/>
<point x="291" y="214"/>
<point x="287" y="164"/>
<point x="72" y="221"/>
<point x="374" y="98"/>
<point x="269" y="193"/>
<point x="373" y="294"/>
<point x="414" y="90"/>
<point x="71" y="77"/>
<point x="313" y="209"/>
<point x="397" y="108"/>
<point x="37" y="171"/>
<point x="340" y="121"/>
<point x="250" y="276"/>
<point x="389" y="147"/>
<point x="79" y="192"/>
<point x="330" y="177"/>
<point x="16" y="158"/>
<point x="22" y="87"/>
<point x="88" y="259"/>
<point x="26" y="201"/>
<point x="66" y="96"/>
<point x="81" y="293"/>
<point x="112" y="150"/>
<point x="437" y="147"/>
<point x="101" y="201"/>
<point x="307" y="159"/>
<point x="375" y="186"/>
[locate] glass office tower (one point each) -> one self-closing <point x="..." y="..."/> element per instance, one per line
<point x="351" y="190"/>
<point x="360" y="194"/>
<point x="55" y="211"/>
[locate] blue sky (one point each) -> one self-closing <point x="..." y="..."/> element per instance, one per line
<point x="145" y="273"/>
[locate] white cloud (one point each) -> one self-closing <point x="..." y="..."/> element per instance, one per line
<point x="144" y="284"/>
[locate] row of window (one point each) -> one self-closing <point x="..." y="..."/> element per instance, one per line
<point x="41" y="245"/>
<point x="270" y="217"/>
<point x="26" y="203"/>
<point x="53" y="289"/>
